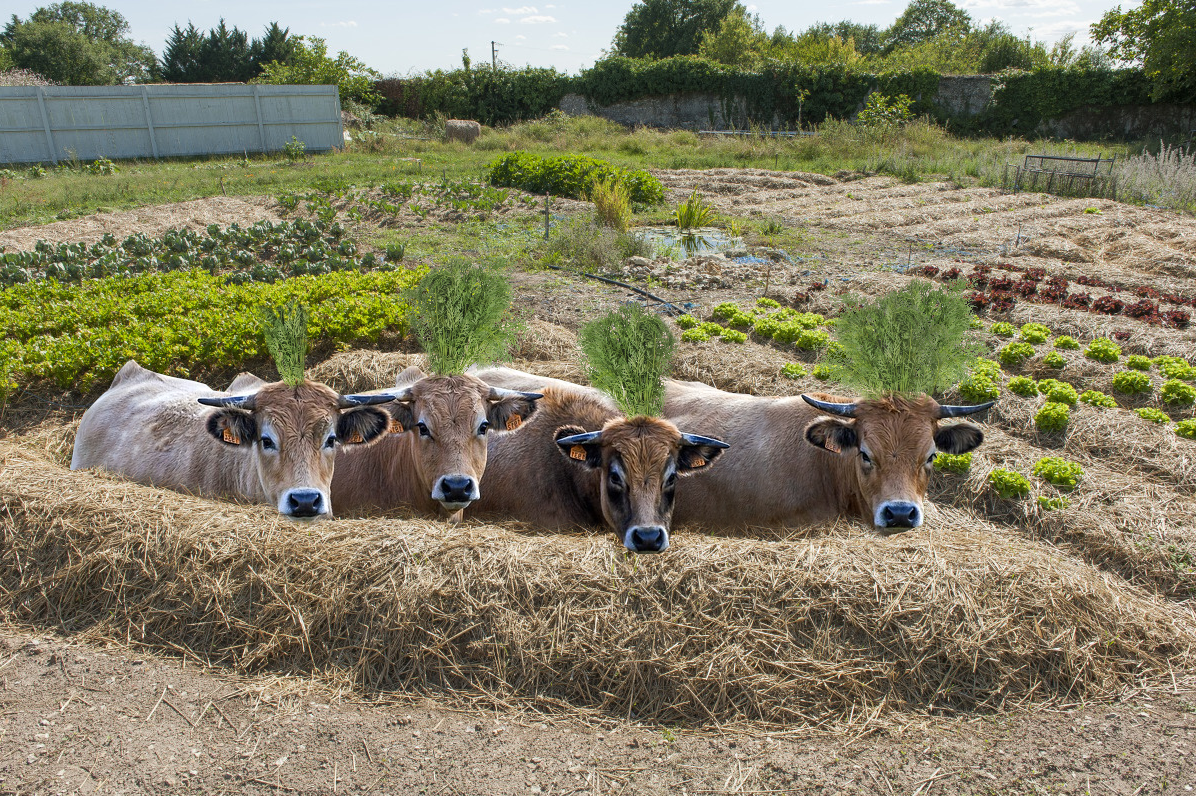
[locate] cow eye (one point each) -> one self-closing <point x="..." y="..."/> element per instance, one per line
<point x="930" y="460"/>
<point x="268" y="444"/>
<point x="671" y="481"/>
<point x="867" y="459"/>
<point x="482" y="429"/>
<point x="330" y="442"/>
<point x="423" y="429"/>
<point x="616" y="480"/>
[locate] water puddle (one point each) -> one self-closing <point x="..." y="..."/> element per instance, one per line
<point x="690" y="242"/>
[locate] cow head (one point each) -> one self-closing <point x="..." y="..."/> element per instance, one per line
<point x="892" y="442"/>
<point x="292" y="433"/>
<point x="639" y="460"/>
<point x="449" y="418"/>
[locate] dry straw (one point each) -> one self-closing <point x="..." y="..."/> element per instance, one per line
<point x="836" y="626"/>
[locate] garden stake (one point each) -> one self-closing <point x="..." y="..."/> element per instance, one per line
<point x="546" y="216"/>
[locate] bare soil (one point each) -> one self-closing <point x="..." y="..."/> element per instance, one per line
<point x="90" y="716"/>
<point x="81" y="718"/>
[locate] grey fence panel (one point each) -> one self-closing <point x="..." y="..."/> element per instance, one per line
<point x="88" y="122"/>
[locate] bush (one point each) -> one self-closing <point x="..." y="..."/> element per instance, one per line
<point x="1053" y="416"/>
<point x="1131" y="382"/>
<point x="1066" y="343"/>
<point x="1098" y="399"/>
<point x="185" y="320"/>
<point x="1186" y="429"/>
<point x="461" y="315"/>
<point x="294" y="149"/>
<point x="792" y="370"/>
<point x="695" y="335"/>
<point x="573" y="176"/>
<point x="1060" y="472"/>
<point x="1176" y="392"/>
<point x="694" y="213"/>
<point x="612" y="203"/>
<point x="912" y="340"/>
<point x="733" y="336"/>
<point x="957" y="464"/>
<point x="1035" y="333"/>
<point x="1137" y="362"/>
<point x="1023" y="386"/>
<point x="1152" y="414"/>
<point x="1053" y="359"/>
<point x="627" y="353"/>
<point x="1002" y="329"/>
<point x="1014" y="354"/>
<point x="1009" y="484"/>
<point x="1058" y="391"/>
<point x="594" y="248"/>
<point x="1102" y="349"/>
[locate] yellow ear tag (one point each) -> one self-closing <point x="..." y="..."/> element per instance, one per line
<point x="395" y="426"/>
<point x="697" y="461"/>
<point x="230" y="437"/>
<point x="355" y="438"/>
<point x="578" y="452"/>
<point x="514" y="422"/>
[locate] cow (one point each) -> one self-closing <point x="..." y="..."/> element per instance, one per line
<point x="581" y="462"/>
<point x="272" y="443"/>
<point x="802" y="460"/>
<point x="435" y="457"/>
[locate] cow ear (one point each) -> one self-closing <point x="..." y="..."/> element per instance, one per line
<point x="233" y="426"/>
<point x="580" y="447"/>
<point x="698" y="452"/>
<point x="511" y="411"/>
<point x="958" y="438"/>
<point x="361" y="425"/>
<point x="832" y="434"/>
<point x="401" y="414"/>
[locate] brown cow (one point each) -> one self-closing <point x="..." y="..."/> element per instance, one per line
<point x="802" y="460"/>
<point x="583" y="463"/>
<point x="436" y="457"/>
<point x="275" y="444"/>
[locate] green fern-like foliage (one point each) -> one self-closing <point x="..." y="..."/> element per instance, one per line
<point x="627" y="352"/>
<point x="461" y="315"/>
<point x="909" y="341"/>
<point x="285" y="330"/>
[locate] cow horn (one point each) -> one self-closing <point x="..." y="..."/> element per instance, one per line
<point x="499" y="393"/>
<point x="842" y="410"/>
<point x="961" y="411"/>
<point x="698" y="439"/>
<point x="247" y="402"/>
<point x="580" y="439"/>
<point x="349" y="401"/>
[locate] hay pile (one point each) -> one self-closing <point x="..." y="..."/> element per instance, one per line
<point x="837" y="626"/>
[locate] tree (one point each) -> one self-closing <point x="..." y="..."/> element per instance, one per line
<point x="224" y="56"/>
<point x="77" y="43"/>
<point x="181" y="61"/>
<point x="1161" y="36"/>
<point x="664" y="28"/>
<point x="866" y="38"/>
<point x="924" y="20"/>
<point x="739" y="41"/>
<point x="311" y="66"/>
<point x="276" y="45"/>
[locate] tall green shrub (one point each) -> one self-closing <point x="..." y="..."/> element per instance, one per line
<point x="909" y="341"/>
<point x="627" y="353"/>
<point x="285" y="330"/>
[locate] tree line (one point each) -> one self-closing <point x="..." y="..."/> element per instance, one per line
<point x="81" y="43"/>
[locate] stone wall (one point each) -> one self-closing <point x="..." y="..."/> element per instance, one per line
<point x="958" y="95"/>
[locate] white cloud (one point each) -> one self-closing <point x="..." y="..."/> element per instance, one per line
<point x="346" y="24"/>
<point x="521" y="36"/>
<point x="487" y="10"/>
<point x="560" y="35"/>
<point x="752" y="7"/>
<point x="521" y="10"/>
<point x="871" y="3"/>
<point x="560" y="47"/>
<point x="1057" y="30"/>
<point x="1034" y="8"/>
<point x="537" y="20"/>
<point x="502" y="21"/>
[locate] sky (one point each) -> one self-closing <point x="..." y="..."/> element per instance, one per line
<point x="402" y="37"/>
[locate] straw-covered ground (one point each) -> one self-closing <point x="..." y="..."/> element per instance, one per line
<point x="995" y="607"/>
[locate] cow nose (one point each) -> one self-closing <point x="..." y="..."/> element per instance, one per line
<point x="648" y="539"/>
<point x="457" y="489"/>
<point x="900" y="514"/>
<point x="305" y="503"/>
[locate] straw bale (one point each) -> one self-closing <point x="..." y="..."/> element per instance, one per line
<point x="842" y="627"/>
<point x="748" y="368"/>
<point x="544" y="341"/>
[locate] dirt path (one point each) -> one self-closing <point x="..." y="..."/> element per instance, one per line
<point x="84" y="718"/>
